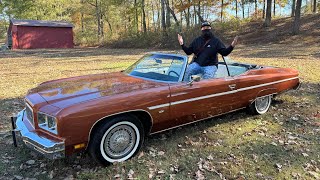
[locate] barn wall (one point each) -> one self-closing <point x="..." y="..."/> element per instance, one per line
<point x="31" y="37"/>
<point x="15" y="41"/>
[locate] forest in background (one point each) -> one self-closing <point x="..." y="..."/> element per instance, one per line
<point x="103" y="22"/>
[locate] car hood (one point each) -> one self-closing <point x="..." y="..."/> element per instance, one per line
<point x="64" y="92"/>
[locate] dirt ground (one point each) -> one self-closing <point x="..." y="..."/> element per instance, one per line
<point x="282" y="144"/>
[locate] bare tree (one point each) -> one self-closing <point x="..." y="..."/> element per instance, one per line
<point x="136" y="16"/>
<point x="168" y="17"/>
<point x="163" y="16"/>
<point x="143" y="17"/>
<point x="188" y="14"/>
<point x="172" y="12"/>
<point x="236" y="8"/>
<point x="264" y="9"/>
<point x="200" y="17"/>
<point x="274" y="8"/>
<point x="296" y="23"/>
<point x="314" y="6"/>
<point x="221" y="15"/>
<point x="293" y="7"/>
<point x="242" y="5"/>
<point x="255" y="8"/>
<point x="267" y="22"/>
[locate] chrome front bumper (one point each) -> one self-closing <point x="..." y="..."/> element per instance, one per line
<point x="51" y="149"/>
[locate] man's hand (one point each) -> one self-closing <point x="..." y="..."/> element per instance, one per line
<point x="180" y="39"/>
<point x="235" y="41"/>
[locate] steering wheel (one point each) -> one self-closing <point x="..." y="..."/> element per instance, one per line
<point x="173" y="73"/>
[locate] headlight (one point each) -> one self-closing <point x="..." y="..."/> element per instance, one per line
<point x="47" y="122"/>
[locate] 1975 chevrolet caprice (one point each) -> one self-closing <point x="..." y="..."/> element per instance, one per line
<point x="110" y="114"/>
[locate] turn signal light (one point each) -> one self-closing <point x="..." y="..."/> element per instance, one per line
<point x="79" y="146"/>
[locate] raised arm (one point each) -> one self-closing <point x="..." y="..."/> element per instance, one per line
<point x="187" y="50"/>
<point x="226" y="51"/>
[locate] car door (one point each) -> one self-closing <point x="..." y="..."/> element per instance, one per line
<point x="203" y="99"/>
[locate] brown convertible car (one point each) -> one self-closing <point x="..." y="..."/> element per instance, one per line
<point x="110" y="114"/>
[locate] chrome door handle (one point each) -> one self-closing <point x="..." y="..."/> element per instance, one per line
<point x="232" y="86"/>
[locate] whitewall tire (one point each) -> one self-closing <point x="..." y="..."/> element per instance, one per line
<point x="117" y="139"/>
<point x="260" y="105"/>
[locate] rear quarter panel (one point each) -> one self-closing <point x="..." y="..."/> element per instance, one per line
<point x="265" y="81"/>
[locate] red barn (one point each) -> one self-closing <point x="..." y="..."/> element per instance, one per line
<point x="32" y="34"/>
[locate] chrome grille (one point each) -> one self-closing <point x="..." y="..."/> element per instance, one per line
<point x="29" y="114"/>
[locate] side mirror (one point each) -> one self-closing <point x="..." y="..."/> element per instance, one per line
<point x="194" y="78"/>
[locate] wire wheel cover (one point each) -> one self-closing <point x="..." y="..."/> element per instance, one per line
<point x="120" y="141"/>
<point x="262" y="103"/>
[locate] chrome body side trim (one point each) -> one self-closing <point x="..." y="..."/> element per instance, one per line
<point x="159" y="106"/>
<point x="266" y="84"/>
<point x="50" y="148"/>
<point x="136" y="110"/>
<point x="220" y="94"/>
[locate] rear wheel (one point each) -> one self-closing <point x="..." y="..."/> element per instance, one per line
<point x="118" y="139"/>
<point x="260" y="105"/>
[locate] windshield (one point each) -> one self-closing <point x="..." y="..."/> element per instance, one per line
<point x="160" y="67"/>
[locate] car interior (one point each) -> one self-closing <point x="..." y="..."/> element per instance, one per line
<point x="169" y="70"/>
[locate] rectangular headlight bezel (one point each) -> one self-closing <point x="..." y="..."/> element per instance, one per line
<point x="29" y="112"/>
<point x="47" y="122"/>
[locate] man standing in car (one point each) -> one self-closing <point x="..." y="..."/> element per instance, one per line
<point x="205" y="49"/>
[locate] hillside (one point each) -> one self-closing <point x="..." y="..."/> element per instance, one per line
<point x="250" y="33"/>
<point x="280" y="31"/>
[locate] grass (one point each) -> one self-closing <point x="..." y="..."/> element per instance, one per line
<point x="281" y="144"/>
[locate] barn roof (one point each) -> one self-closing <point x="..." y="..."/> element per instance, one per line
<point x="18" y="22"/>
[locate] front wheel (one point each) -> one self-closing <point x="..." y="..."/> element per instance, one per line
<point x="260" y="105"/>
<point x="117" y="140"/>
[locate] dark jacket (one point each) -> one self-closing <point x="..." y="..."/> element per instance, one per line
<point x="209" y="54"/>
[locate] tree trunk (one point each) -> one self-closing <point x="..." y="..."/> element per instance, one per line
<point x="102" y="26"/>
<point x="274" y="8"/>
<point x="172" y="12"/>
<point x="82" y="24"/>
<point x="98" y="19"/>
<point x="200" y="17"/>
<point x="143" y="17"/>
<point x="199" y="12"/>
<point x="181" y="20"/>
<point x="159" y="11"/>
<point x="136" y="16"/>
<point x="148" y="19"/>
<point x="255" y="8"/>
<point x="236" y="8"/>
<point x="267" y="22"/>
<point x="242" y="4"/>
<point x="153" y="17"/>
<point x="296" y="23"/>
<point x="82" y="16"/>
<point x="194" y="14"/>
<point x="221" y="15"/>
<point x="168" y="18"/>
<point x="293" y="7"/>
<point x="264" y="9"/>
<point x="163" y="16"/>
<point x="314" y="6"/>
<point x="109" y="24"/>
<point x="188" y="15"/>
